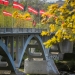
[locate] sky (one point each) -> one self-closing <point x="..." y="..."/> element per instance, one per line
<point x="52" y="0"/>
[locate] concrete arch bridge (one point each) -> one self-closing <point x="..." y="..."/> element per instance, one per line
<point x="15" y="42"/>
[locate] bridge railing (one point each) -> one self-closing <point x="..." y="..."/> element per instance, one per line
<point x="21" y="30"/>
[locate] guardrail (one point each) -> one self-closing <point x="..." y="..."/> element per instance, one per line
<point x="20" y="30"/>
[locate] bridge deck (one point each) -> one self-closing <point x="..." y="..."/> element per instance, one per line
<point x="20" y="30"/>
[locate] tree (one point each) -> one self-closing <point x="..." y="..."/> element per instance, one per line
<point x="61" y="21"/>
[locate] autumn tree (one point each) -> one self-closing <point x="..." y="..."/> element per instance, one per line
<point x="61" y="21"/>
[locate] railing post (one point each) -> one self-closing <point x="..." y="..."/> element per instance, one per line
<point x="4" y="30"/>
<point x="11" y="30"/>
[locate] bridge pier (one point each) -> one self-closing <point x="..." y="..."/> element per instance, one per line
<point x="39" y="66"/>
<point x="66" y="46"/>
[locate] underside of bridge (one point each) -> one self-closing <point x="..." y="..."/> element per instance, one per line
<point x="13" y="48"/>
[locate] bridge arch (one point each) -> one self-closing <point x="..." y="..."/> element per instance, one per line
<point x="4" y="52"/>
<point x="26" y="44"/>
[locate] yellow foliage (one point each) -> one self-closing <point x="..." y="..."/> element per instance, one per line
<point x="15" y="14"/>
<point x="73" y="16"/>
<point x="73" y="31"/>
<point x="26" y="15"/>
<point x="52" y="7"/>
<point x="20" y="16"/>
<point x="61" y="21"/>
<point x="63" y="25"/>
<point x="72" y="3"/>
<point x="52" y="27"/>
<point x="43" y="33"/>
<point x="69" y="25"/>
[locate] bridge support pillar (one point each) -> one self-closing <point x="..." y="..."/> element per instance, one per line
<point x="6" y="41"/>
<point x="22" y="43"/>
<point x="17" y="52"/>
<point x="12" y="47"/>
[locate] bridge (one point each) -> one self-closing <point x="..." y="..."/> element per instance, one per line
<point x="15" y="42"/>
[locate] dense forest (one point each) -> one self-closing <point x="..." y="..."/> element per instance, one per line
<point x="7" y="21"/>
